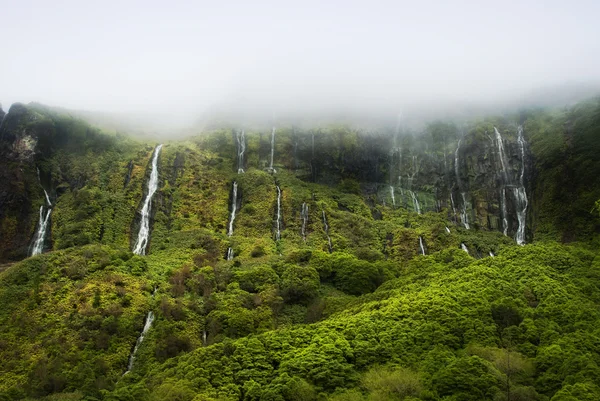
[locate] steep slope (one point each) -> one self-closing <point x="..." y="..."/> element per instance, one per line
<point x="343" y="250"/>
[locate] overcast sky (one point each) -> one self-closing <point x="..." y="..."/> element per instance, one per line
<point x="183" y="57"/>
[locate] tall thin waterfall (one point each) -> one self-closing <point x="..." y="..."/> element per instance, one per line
<point x="229" y="254"/>
<point x="37" y="246"/>
<point x="144" y="234"/>
<point x="492" y="254"/>
<point x="393" y="196"/>
<point x="447" y="230"/>
<point x="504" y="212"/>
<point x="464" y="247"/>
<point x="415" y="202"/>
<point x="278" y="222"/>
<point x="326" y="227"/>
<point x="464" y="215"/>
<point x="233" y="208"/>
<point x="38" y="240"/>
<point x="517" y="186"/>
<point x="241" y="146"/>
<point x="272" y="150"/>
<point x="147" y="325"/>
<point x="502" y="155"/>
<point x="453" y="206"/>
<point x="520" y="194"/>
<point x="304" y="217"/>
<point x="421" y="246"/>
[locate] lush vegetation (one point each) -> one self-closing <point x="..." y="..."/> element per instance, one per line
<point x="287" y="319"/>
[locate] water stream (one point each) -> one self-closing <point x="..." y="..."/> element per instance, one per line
<point x="144" y="234"/>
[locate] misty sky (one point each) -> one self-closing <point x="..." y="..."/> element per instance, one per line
<point x="184" y="57"/>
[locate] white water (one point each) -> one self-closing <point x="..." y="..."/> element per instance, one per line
<point x="37" y="245"/>
<point x="393" y="197"/>
<point x="278" y="227"/>
<point x="501" y="154"/>
<point x="241" y="140"/>
<point x="38" y="240"/>
<point x="327" y="232"/>
<point x="464" y="216"/>
<point x="272" y="150"/>
<point x="504" y="213"/>
<point x="147" y="325"/>
<point x="492" y="254"/>
<point x="456" y="163"/>
<point x="233" y="209"/>
<point x="421" y="246"/>
<point x="229" y="253"/>
<point x="464" y="247"/>
<point x="304" y="216"/>
<point x="415" y="202"/>
<point x="520" y="194"/>
<point x="143" y="235"/>
<point x="447" y="230"/>
<point x="453" y="207"/>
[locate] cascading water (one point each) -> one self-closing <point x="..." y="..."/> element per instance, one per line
<point x="38" y="240"/>
<point x="453" y="206"/>
<point x="504" y="212"/>
<point x="464" y="247"/>
<point x="271" y="169"/>
<point x="326" y="227"/>
<point x="447" y="230"/>
<point x="492" y="254"/>
<point x="229" y="254"/>
<point x="415" y="202"/>
<point x="37" y="246"/>
<point x="421" y="246"/>
<point x="304" y="217"/>
<point x="144" y="234"/>
<point x="517" y="186"/>
<point x="278" y="222"/>
<point x="464" y="216"/>
<point x="147" y="325"/>
<point x="241" y="145"/>
<point x="393" y="196"/>
<point x="520" y="194"/>
<point x="233" y="209"/>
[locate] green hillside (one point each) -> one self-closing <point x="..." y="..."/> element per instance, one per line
<point x="388" y="269"/>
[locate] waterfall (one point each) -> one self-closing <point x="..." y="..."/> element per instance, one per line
<point x="326" y="226"/>
<point x="492" y="254"/>
<point x="464" y="217"/>
<point x="504" y="212"/>
<point x="520" y="194"/>
<point x="278" y="226"/>
<point x="393" y="197"/>
<point x="421" y="246"/>
<point x="304" y="216"/>
<point x="38" y="240"/>
<point x="502" y="155"/>
<point x="143" y="235"/>
<point x="271" y="169"/>
<point x="415" y="202"/>
<point x="229" y="254"/>
<point x="233" y="209"/>
<point x="37" y="246"/>
<point x="147" y="325"/>
<point x="447" y="230"/>
<point x="241" y="145"/>
<point x="453" y="207"/>
<point x="464" y="247"/>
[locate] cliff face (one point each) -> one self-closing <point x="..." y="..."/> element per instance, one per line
<point x="506" y="175"/>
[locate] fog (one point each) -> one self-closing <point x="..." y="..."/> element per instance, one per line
<point x="178" y="63"/>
